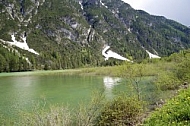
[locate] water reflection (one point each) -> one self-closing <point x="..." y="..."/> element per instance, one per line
<point x="109" y="83"/>
<point x="23" y="89"/>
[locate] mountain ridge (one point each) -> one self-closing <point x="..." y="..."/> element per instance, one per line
<point x="72" y="33"/>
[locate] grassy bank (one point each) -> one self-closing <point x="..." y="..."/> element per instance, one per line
<point x="176" y="112"/>
<point x="41" y="72"/>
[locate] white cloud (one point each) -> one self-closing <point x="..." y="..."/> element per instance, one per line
<point x="177" y="10"/>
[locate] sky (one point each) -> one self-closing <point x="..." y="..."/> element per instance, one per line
<point x="177" y="10"/>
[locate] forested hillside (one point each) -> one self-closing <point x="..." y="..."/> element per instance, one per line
<point x="12" y="61"/>
<point x="72" y="33"/>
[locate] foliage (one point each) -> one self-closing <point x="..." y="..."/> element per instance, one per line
<point x="2" y="63"/>
<point x="183" y="70"/>
<point x="175" y="112"/>
<point x="86" y="115"/>
<point x="11" y="61"/>
<point x="171" y="77"/>
<point x="121" y="111"/>
<point x="134" y="74"/>
<point x="56" y="115"/>
<point x="167" y="81"/>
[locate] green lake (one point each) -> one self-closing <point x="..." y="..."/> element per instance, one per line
<point x="20" y="91"/>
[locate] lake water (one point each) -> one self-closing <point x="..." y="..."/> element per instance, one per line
<point x="20" y="91"/>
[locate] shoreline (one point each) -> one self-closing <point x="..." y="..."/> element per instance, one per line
<point x="38" y="72"/>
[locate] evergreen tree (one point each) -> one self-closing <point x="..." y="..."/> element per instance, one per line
<point x="2" y="63"/>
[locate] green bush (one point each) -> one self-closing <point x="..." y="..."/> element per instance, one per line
<point x="120" y="111"/>
<point x="183" y="70"/>
<point x="167" y="81"/>
<point x="176" y="112"/>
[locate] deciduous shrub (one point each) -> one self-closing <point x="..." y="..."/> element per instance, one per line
<point x="183" y="70"/>
<point x="120" y="112"/>
<point x="167" y="81"/>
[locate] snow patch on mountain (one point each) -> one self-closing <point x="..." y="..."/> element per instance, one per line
<point x="129" y="30"/>
<point x="103" y="4"/>
<point x="81" y="5"/>
<point x="152" y="55"/>
<point x="23" y="45"/>
<point x="10" y="49"/>
<point x="109" y="53"/>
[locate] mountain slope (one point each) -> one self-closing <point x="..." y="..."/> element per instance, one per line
<point x="72" y="33"/>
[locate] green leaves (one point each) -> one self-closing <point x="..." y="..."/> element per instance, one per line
<point x="174" y="112"/>
<point x="167" y="81"/>
<point x="183" y="70"/>
<point x="2" y="63"/>
<point x="10" y="61"/>
<point x="121" y="111"/>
